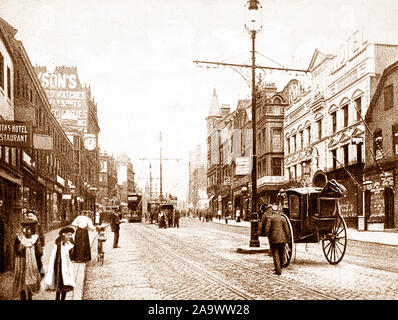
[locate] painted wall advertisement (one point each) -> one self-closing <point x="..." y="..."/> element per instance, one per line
<point x="67" y="97"/>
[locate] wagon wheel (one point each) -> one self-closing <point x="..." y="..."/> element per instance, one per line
<point x="288" y="252"/>
<point x="334" y="243"/>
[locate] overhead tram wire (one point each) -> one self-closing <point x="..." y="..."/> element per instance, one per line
<point x="349" y="173"/>
<point x="375" y="141"/>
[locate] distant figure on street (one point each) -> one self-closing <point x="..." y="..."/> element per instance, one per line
<point x="162" y="220"/>
<point x="60" y="275"/>
<point x="219" y="213"/>
<point x="277" y="231"/>
<point x="97" y="218"/>
<point x="177" y="219"/>
<point x="82" y="251"/>
<point x="115" y="228"/>
<point x="237" y="215"/>
<point x="26" y="271"/>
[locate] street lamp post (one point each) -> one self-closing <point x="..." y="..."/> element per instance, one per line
<point x="253" y="26"/>
<point x="94" y="190"/>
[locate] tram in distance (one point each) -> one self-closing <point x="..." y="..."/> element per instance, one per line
<point x="134" y="205"/>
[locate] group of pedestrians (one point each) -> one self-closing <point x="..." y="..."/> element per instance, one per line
<point x="29" y="274"/>
<point x="168" y="218"/>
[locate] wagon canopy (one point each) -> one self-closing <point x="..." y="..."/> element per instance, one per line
<point x="333" y="189"/>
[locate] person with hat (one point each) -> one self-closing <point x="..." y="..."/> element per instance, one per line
<point x="27" y="278"/>
<point x="82" y="250"/>
<point x="37" y="229"/>
<point x="60" y="275"/>
<point x="278" y="233"/>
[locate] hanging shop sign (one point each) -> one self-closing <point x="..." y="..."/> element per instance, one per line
<point x="242" y="166"/>
<point x="43" y="142"/>
<point x="15" y="134"/>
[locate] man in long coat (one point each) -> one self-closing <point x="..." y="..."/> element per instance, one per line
<point x="278" y="233"/>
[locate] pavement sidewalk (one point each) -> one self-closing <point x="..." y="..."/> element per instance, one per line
<point x="79" y="269"/>
<point x="382" y="237"/>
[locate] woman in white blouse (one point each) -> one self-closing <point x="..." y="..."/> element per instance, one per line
<point x="82" y="252"/>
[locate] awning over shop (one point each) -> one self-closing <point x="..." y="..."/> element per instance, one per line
<point x="10" y="177"/>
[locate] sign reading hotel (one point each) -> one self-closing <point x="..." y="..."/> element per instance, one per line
<point x="67" y="97"/>
<point x="15" y="134"/>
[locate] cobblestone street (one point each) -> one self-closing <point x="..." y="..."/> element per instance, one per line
<point x="199" y="261"/>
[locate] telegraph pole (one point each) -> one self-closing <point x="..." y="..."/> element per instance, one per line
<point x="253" y="6"/>
<point x="160" y="167"/>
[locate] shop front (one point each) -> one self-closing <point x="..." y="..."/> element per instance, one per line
<point x="10" y="213"/>
<point x="351" y="203"/>
<point x="379" y="201"/>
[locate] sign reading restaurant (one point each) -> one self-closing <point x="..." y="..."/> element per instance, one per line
<point x="65" y="94"/>
<point x="15" y="134"/>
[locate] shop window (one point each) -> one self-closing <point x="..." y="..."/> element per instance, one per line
<point x="388" y="97"/>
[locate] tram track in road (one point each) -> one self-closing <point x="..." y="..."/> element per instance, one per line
<point x="260" y="277"/>
<point x="238" y="292"/>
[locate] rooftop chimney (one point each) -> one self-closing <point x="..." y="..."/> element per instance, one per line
<point x="225" y="109"/>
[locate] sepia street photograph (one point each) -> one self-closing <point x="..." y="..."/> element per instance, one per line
<point x="199" y="156"/>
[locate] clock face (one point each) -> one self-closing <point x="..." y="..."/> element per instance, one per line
<point x="89" y="143"/>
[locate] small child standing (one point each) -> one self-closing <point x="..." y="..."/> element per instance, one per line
<point x="60" y="275"/>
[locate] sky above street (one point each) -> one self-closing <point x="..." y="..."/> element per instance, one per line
<point x="138" y="58"/>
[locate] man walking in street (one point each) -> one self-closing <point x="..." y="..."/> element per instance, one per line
<point x="115" y="227"/>
<point x="277" y="231"/>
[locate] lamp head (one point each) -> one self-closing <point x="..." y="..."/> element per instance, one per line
<point x="253" y="19"/>
<point x="253" y="4"/>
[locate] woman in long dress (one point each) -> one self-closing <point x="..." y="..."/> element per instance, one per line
<point x="82" y="252"/>
<point x="60" y="275"/>
<point x="26" y="272"/>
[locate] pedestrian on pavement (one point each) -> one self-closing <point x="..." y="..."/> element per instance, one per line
<point x="278" y="234"/>
<point x="82" y="251"/>
<point x="60" y="275"/>
<point x="162" y="220"/>
<point x="97" y="218"/>
<point x="37" y="229"/>
<point x="26" y="271"/>
<point x="237" y="215"/>
<point x="177" y="219"/>
<point x="115" y="228"/>
<point x="219" y="213"/>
